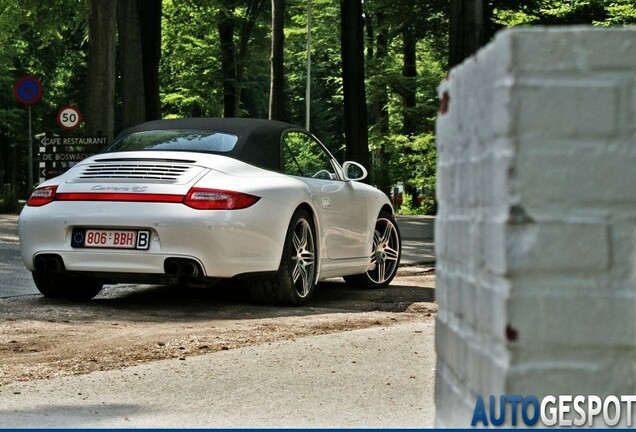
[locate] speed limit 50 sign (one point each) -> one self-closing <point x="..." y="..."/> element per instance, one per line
<point x="69" y="117"/>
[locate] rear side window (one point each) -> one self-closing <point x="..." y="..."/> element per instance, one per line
<point x="176" y="140"/>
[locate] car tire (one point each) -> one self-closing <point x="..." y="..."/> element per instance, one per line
<point x="61" y="286"/>
<point x="385" y="255"/>
<point x="294" y="282"/>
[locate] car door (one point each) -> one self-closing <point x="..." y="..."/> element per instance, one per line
<point x="342" y="210"/>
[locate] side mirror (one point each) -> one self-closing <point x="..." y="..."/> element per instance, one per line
<point x="353" y="171"/>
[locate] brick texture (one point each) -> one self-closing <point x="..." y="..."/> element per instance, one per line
<point x="536" y="231"/>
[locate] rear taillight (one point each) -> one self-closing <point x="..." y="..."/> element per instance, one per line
<point x="213" y="199"/>
<point x="42" y="196"/>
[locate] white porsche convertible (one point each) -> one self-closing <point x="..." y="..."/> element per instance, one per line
<point x="195" y="200"/>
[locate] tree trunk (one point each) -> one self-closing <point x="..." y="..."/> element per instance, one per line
<point x="13" y="170"/>
<point x="355" y="105"/>
<point x="130" y="64"/>
<point x="150" y="25"/>
<point x="409" y="91"/>
<point x="226" y="28"/>
<point x="100" y="105"/>
<point x="409" y="98"/>
<point x="254" y="9"/>
<point x="277" y="87"/>
<point x="380" y="99"/>
<point x="4" y="158"/>
<point x="233" y="57"/>
<point x="466" y="29"/>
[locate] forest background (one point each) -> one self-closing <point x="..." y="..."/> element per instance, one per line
<point x="375" y="68"/>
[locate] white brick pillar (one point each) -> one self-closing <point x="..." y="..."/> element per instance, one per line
<point x="536" y="231"/>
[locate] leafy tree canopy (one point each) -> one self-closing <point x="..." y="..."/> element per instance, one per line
<point x="50" y="40"/>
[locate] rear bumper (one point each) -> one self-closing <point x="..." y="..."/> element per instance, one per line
<point x="225" y="243"/>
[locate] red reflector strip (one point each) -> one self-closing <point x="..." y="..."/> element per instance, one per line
<point x="128" y="197"/>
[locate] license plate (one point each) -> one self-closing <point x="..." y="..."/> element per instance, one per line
<point x="110" y="239"/>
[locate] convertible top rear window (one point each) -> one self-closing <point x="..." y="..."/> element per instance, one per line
<point x="176" y="140"/>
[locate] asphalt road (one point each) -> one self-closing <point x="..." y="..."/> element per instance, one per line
<point x="15" y="280"/>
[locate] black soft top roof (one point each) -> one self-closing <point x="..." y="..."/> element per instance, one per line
<point x="258" y="139"/>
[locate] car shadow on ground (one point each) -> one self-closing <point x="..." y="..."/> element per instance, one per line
<point x="228" y="300"/>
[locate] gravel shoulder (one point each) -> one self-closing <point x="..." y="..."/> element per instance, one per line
<point x="379" y="377"/>
<point x="132" y="325"/>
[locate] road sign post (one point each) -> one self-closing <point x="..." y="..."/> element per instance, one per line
<point x="28" y="90"/>
<point x="30" y="170"/>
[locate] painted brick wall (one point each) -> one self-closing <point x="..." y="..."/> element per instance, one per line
<point x="536" y="231"/>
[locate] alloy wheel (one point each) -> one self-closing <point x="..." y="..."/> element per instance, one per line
<point x="385" y="254"/>
<point x="303" y="257"/>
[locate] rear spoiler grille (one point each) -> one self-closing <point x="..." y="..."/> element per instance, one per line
<point x="125" y="171"/>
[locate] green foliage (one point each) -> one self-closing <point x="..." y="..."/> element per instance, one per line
<point x="49" y="43"/>
<point x="407" y="207"/>
<point x="190" y="64"/>
<point x="558" y="12"/>
<point x="49" y="40"/>
<point x="412" y="162"/>
<point x="619" y="12"/>
<point x="326" y="82"/>
<point x="190" y="69"/>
